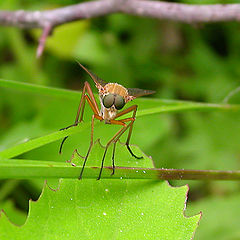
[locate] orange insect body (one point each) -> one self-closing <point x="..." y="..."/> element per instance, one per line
<point x="113" y="98"/>
<point x="116" y="88"/>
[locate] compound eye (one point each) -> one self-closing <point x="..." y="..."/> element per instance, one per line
<point x="119" y="102"/>
<point x="108" y="100"/>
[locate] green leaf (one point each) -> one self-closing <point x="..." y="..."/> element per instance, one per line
<point x="35" y="143"/>
<point x="106" y="209"/>
<point x="146" y="107"/>
<point x="151" y="106"/>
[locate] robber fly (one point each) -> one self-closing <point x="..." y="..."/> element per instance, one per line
<point x="113" y="98"/>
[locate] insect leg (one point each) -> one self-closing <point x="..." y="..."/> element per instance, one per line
<point x="113" y="158"/>
<point x="109" y="142"/>
<point x="89" y="149"/>
<point x="115" y="141"/>
<point x="81" y="108"/>
<point x="134" y="109"/>
<point x="128" y="139"/>
<point x="92" y="128"/>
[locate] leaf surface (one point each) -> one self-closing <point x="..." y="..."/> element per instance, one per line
<point x="106" y="209"/>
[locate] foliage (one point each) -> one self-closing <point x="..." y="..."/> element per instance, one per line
<point x="196" y="63"/>
<point x="106" y="209"/>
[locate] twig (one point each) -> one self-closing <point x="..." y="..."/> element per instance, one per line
<point x="47" y="20"/>
<point x="186" y="13"/>
<point x="161" y="10"/>
<point x="46" y="31"/>
<point x="55" y="17"/>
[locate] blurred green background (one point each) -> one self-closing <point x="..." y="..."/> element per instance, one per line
<point x="179" y="61"/>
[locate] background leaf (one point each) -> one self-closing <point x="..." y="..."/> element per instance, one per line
<point x="106" y="209"/>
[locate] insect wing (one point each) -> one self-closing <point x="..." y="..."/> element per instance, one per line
<point x="95" y="78"/>
<point x="137" y="92"/>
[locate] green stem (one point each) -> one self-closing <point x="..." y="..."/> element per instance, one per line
<point x="38" y="142"/>
<point x="28" y="169"/>
<point x="39" y="89"/>
<point x="156" y="105"/>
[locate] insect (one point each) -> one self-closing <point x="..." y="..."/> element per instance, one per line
<point x="113" y="98"/>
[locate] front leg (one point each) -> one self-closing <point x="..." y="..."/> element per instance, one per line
<point x="91" y="101"/>
<point x="91" y="144"/>
<point x="114" y="140"/>
<point x="124" y="126"/>
<point x="132" y="119"/>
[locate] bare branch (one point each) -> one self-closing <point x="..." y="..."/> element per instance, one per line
<point x="183" y="12"/>
<point x="39" y="19"/>
<point x="187" y="13"/>
<point x="160" y="10"/>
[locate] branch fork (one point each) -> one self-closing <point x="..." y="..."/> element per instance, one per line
<point x="186" y="13"/>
